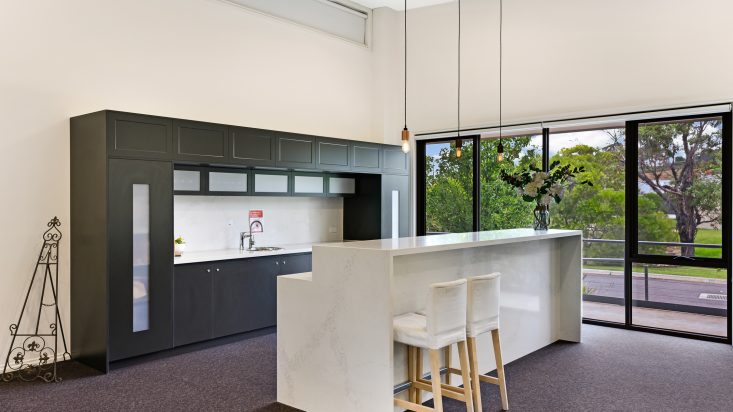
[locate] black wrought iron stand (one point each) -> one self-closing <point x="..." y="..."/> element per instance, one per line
<point x="35" y="358"/>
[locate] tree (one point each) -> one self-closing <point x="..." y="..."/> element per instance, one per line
<point x="680" y="162"/>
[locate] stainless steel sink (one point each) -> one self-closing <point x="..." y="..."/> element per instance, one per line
<point x="264" y="249"/>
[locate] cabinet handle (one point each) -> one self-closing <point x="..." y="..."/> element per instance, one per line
<point x="284" y="262"/>
<point x="217" y="269"/>
<point x="277" y="262"/>
<point x="208" y="270"/>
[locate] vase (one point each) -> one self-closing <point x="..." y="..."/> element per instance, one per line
<point x="178" y="249"/>
<point x="541" y="217"/>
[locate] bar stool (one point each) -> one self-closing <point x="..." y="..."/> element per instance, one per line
<point x="482" y="316"/>
<point x="443" y="324"/>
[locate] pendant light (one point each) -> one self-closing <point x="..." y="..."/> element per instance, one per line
<point x="500" y="147"/>
<point x="459" y="141"/>
<point x="405" y="131"/>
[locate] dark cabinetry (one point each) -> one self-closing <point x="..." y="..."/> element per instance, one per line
<point x="296" y="151"/>
<point x="140" y="271"/>
<point x="332" y="154"/>
<point x="216" y="299"/>
<point x="138" y="136"/>
<point x="193" y="303"/>
<point x="253" y="147"/>
<point x="367" y="158"/>
<point x="394" y="160"/>
<point x="395" y="197"/>
<point x="204" y="142"/>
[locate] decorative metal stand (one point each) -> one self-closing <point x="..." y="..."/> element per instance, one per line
<point x="34" y="356"/>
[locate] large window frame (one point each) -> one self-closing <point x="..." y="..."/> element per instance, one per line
<point x="632" y="255"/>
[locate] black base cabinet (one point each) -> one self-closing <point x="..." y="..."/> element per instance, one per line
<point x="215" y="299"/>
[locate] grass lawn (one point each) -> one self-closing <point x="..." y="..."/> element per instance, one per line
<point x="711" y="236"/>
<point x="669" y="270"/>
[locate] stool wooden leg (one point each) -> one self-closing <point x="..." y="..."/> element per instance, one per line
<point x="435" y="379"/>
<point x="465" y="370"/>
<point x="448" y="354"/>
<point x="420" y="372"/>
<point x="475" y="381"/>
<point x="500" y="370"/>
<point x="411" y="372"/>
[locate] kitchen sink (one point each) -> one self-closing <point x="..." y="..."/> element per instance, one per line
<point x="264" y="249"/>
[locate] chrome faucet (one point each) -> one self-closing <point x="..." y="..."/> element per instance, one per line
<point x="249" y="235"/>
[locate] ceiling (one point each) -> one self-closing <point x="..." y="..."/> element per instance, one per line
<point x="399" y="4"/>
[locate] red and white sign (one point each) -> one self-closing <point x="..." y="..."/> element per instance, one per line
<point x="255" y="221"/>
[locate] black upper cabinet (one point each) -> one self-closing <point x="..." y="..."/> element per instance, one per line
<point x="296" y="151"/>
<point x="253" y="147"/>
<point x="332" y="154"/>
<point x="395" y="161"/>
<point x="367" y="158"/>
<point x="139" y="136"/>
<point x="205" y="142"/>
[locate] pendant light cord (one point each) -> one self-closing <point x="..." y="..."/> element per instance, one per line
<point x="501" y="24"/>
<point x="459" y="70"/>
<point x="405" y="64"/>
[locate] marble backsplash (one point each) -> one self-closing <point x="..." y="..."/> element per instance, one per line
<point x="214" y="222"/>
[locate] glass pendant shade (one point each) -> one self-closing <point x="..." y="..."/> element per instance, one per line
<point x="500" y="152"/>
<point x="459" y="148"/>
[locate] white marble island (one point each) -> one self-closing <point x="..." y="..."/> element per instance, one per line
<point x="335" y="348"/>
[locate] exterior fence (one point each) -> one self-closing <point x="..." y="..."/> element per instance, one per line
<point x="646" y="302"/>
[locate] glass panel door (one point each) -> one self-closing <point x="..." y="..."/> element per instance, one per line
<point x="599" y="211"/>
<point x="679" y="263"/>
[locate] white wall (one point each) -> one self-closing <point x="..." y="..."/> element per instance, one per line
<point x="565" y="58"/>
<point x="215" y="222"/>
<point x="196" y="59"/>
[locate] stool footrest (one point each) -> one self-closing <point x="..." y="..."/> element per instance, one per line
<point x="412" y="406"/>
<point x="488" y="379"/>
<point x="453" y="392"/>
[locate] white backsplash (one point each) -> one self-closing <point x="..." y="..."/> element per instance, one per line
<point x="214" y="222"/>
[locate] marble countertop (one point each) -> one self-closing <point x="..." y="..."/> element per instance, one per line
<point x="228" y="254"/>
<point x="451" y="241"/>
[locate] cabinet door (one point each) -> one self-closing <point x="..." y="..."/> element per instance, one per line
<point x="244" y="294"/>
<point x="139" y="136"/>
<point x="296" y="151"/>
<point x="332" y="154"/>
<point x="338" y="185"/>
<point x="308" y="184"/>
<point x="140" y="257"/>
<point x="205" y="142"/>
<point x="394" y="160"/>
<point x="367" y="158"/>
<point x="193" y="303"/>
<point x="228" y="181"/>
<point x="272" y="183"/>
<point x="290" y="264"/>
<point x="395" y="197"/>
<point x="252" y="147"/>
<point x="188" y="180"/>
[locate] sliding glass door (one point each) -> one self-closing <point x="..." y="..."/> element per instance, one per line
<point x="678" y="257"/>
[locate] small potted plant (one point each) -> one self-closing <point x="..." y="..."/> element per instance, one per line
<point x="539" y="187"/>
<point x="179" y="245"/>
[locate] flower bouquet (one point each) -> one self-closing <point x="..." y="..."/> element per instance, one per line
<point x="541" y="188"/>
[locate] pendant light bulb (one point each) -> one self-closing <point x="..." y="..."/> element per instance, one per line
<point x="405" y="140"/>
<point x="459" y="148"/>
<point x="500" y="152"/>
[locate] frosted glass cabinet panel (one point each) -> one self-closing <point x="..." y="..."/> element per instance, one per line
<point x="186" y="180"/>
<point x="227" y="182"/>
<point x="271" y="182"/>
<point x="140" y="257"/>
<point x="342" y="185"/>
<point x="308" y="184"/>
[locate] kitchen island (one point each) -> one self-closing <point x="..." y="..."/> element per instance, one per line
<point x="335" y="348"/>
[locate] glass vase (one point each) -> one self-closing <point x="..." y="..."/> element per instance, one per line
<point x="541" y="217"/>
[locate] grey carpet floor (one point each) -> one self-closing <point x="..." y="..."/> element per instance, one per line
<point x="612" y="370"/>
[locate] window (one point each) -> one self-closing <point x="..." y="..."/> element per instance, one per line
<point x="448" y="180"/>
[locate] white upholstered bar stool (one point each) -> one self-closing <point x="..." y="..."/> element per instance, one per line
<point x="442" y="324"/>
<point x="482" y="316"/>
